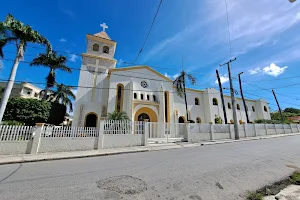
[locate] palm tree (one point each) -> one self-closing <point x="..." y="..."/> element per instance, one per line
<point x="53" y="62"/>
<point x="179" y="83"/>
<point x="64" y="95"/>
<point x="117" y="116"/>
<point x="15" y="32"/>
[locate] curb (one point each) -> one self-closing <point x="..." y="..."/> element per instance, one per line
<point x="71" y="157"/>
<point x="248" y="139"/>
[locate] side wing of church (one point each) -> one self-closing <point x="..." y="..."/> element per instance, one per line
<point x="144" y="93"/>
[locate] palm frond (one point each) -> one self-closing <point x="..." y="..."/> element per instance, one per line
<point x="191" y="78"/>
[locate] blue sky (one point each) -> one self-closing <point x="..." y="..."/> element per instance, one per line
<point x="265" y="39"/>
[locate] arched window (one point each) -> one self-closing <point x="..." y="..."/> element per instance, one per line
<point x="253" y="108"/>
<point x="198" y="120"/>
<point x="106" y="49"/>
<point x="229" y="106"/>
<point x="95" y="47"/>
<point x="154" y="98"/>
<point x="196" y="101"/>
<point x="167" y="116"/>
<point x="265" y="109"/>
<point x="215" y="101"/>
<point x="246" y="108"/>
<point x="238" y="106"/>
<point x="119" y="99"/>
<point x="148" y="97"/>
<point x="134" y="95"/>
<point x="142" y="97"/>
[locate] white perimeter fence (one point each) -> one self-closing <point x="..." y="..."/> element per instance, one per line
<point x="113" y="134"/>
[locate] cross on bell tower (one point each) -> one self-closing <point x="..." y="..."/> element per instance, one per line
<point x="104" y="26"/>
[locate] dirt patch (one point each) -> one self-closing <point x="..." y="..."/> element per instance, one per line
<point x="292" y="166"/>
<point x="275" y="188"/>
<point x="195" y="197"/>
<point x="219" y="186"/>
<point x="123" y="184"/>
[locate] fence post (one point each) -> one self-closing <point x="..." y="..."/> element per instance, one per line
<point x="230" y="137"/>
<point x="275" y="129"/>
<point x="187" y="131"/>
<point x="255" y="133"/>
<point x="297" y="128"/>
<point x="266" y="129"/>
<point x="37" y="138"/>
<point x="283" y="128"/>
<point x="146" y="132"/>
<point x="245" y="129"/>
<point x="101" y="133"/>
<point x="211" y="132"/>
<point x="291" y="128"/>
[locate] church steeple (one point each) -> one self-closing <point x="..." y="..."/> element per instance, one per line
<point x="103" y="33"/>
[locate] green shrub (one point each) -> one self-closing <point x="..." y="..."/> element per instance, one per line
<point x="295" y="178"/>
<point x="255" y="196"/>
<point x="12" y="122"/>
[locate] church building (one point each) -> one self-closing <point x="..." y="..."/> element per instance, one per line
<point x="144" y="93"/>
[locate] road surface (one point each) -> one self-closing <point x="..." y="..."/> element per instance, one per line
<point x="224" y="171"/>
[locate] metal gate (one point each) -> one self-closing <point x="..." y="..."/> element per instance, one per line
<point x="166" y="132"/>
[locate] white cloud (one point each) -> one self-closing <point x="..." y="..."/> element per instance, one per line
<point x="62" y="40"/>
<point x="223" y="79"/>
<point x="167" y="75"/>
<point x="73" y="57"/>
<point x="254" y="71"/>
<point x="274" y="70"/>
<point x="175" y="75"/>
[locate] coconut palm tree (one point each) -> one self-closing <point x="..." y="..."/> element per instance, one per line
<point x="53" y="62"/>
<point x="117" y="116"/>
<point x="15" y="32"/>
<point x="179" y="83"/>
<point x="64" y="95"/>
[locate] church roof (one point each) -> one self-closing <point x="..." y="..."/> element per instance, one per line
<point x="102" y="34"/>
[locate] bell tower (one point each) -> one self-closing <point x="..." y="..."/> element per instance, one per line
<point x="93" y="81"/>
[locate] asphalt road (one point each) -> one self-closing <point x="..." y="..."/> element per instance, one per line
<point x="224" y="171"/>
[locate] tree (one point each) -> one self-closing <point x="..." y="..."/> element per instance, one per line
<point x="117" y="116"/>
<point x="292" y="110"/>
<point x="53" y="62"/>
<point x="15" y="32"/>
<point x="64" y="95"/>
<point x="179" y="83"/>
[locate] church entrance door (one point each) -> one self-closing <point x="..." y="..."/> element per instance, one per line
<point x="91" y="120"/>
<point x="143" y="116"/>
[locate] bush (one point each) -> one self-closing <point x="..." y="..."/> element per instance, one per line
<point x="295" y="178"/>
<point x="267" y="121"/>
<point x="12" y="122"/>
<point x="31" y="111"/>
<point x="255" y="196"/>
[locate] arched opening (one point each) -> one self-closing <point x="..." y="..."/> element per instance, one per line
<point x="253" y="108"/>
<point x="143" y="116"/>
<point x="265" y="109"/>
<point x="246" y="108"/>
<point x="148" y="97"/>
<point x="196" y="101"/>
<point x="119" y="98"/>
<point x="134" y="95"/>
<point x="142" y="97"/>
<point x="91" y="120"/>
<point x="95" y="47"/>
<point x="181" y="119"/>
<point x="238" y="106"/>
<point x="215" y="101"/>
<point x="229" y="106"/>
<point x="144" y="112"/>
<point x="106" y="49"/>
<point x="198" y="120"/>
<point x="154" y="98"/>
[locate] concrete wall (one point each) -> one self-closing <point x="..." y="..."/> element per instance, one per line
<point x="15" y="147"/>
<point x="67" y="144"/>
<point x="122" y="140"/>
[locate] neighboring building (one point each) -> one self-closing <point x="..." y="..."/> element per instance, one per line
<point x="295" y="119"/>
<point x="24" y="90"/>
<point x="144" y="93"/>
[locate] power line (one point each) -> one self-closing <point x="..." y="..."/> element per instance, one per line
<point x="77" y="86"/>
<point x="229" y="34"/>
<point x="148" y="32"/>
<point x="106" y="73"/>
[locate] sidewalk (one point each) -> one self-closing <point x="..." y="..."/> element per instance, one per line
<point x="10" y="159"/>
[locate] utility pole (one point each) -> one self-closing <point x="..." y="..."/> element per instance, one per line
<point x="222" y="96"/>
<point x="281" y="116"/>
<point x="245" y="107"/>
<point x="236" y="128"/>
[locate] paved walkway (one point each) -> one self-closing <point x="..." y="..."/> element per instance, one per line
<point x="10" y="159"/>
